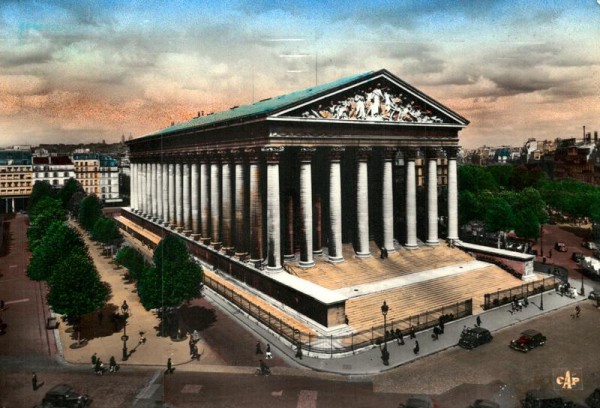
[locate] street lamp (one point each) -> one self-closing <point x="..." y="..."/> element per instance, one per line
<point x="582" y="291"/>
<point x="385" y="356"/>
<point x="542" y="297"/>
<point x="124" y="337"/>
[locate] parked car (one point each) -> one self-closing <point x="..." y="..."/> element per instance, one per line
<point x="528" y="340"/>
<point x="589" y="245"/>
<point x="473" y="337"/>
<point x="577" y="256"/>
<point x="480" y="403"/>
<point x="594" y="295"/>
<point x="418" y="402"/>
<point x="560" y="247"/>
<point x="63" y="395"/>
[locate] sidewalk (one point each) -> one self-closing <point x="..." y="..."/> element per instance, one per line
<point x="154" y="352"/>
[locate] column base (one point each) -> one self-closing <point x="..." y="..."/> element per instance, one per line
<point x="205" y="240"/>
<point x="274" y="269"/>
<point x="187" y="233"/>
<point x="216" y="245"/>
<point x="289" y="256"/>
<point x="179" y="229"/>
<point x="411" y="246"/>
<point x="318" y="252"/>
<point x="336" y="259"/>
<point x="433" y="243"/>
<point x="363" y="254"/>
<point x="306" y="264"/>
<point x="196" y="237"/>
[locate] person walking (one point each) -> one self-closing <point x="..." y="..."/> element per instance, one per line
<point x="268" y="352"/>
<point x="112" y="365"/>
<point x="478" y="321"/>
<point x="417" y="348"/>
<point x="577" y="311"/>
<point x="34" y="381"/>
<point x="169" y="367"/>
<point x="94" y="359"/>
<point x="258" y="348"/>
<point x="412" y="333"/>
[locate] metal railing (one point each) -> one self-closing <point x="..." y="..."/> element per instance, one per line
<point x="503" y="297"/>
<point x="330" y="345"/>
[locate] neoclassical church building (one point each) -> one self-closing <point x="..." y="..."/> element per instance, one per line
<point x="366" y="162"/>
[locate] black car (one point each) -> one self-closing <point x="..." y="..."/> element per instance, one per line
<point x="473" y="337"/>
<point x="62" y="395"/>
<point x="480" y="403"/>
<point x="528" y="340"/>
<point x="418" y="402"/>
<point x="577" y="256"/>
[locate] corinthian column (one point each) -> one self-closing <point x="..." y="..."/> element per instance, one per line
<point x="388" y="201"/>
<point x="432" y="203"/>
<point x="140" y="188"/>
<point x="195" y="190"/>
<point x="240" y="199"/>
<point x="204" y="198"/>
<point x="215" y="200"/>
<point x="165" y="193"/>
<point x="159" y="192"/>
<point x="154" y="191"/>
<point x="411" y="200"/>
<point x="147" y="194"/>
<point x="306" y="238"/>
<point x="172" y="212"/>
<point x="273" y="209"/>
<point x="335" y="205"/>
<point x="226" y="208"/>
<point x="256" y="223"/>
<point x="178" y="195"/>
<point x="452" y="152"/>
<point x="186" y="198"/>
<point x="362" y="202"/>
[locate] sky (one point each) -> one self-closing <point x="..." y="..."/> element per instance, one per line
<point x="86" y="71"/>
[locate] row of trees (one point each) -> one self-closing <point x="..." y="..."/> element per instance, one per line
<point x="59" y="254"/>
<point x="517" y="198"/>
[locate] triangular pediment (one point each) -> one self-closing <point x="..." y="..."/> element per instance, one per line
<point x="381" y="98"/>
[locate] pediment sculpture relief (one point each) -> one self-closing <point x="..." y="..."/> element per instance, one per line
<point x="374" y="104"/>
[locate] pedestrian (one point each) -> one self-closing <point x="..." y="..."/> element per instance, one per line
<point x="258" y="348"/>
<point x="417" y="348"/>
<point x="125" y="307"/>
<point x="191" y="344"/>
<point x="385" y="253"/>
<point x="94" y="359"/>
<point x="195" y="355"/>
<point x="112" y="365"/>
<point x="34" y="381"/>
<point x="346" y="320"/>
<point x="412" y="333"/>
<point x="169" y="366"/>
<point x="441" y="326"/>
<point x="99" y="367"/>
<point x="299" y="350"/>
<point x="577" y="311"/>
<point x="268" y="352"/>
<point x="478" y="320"/>
<point x="400" y="337"/>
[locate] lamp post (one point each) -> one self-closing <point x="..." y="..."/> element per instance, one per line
<point x="542" y="240"/>
<point x="542" y="297"/>
<point x="385" y="356"/>
<point x="124" y="337"/>
<point x="582" y="291"/>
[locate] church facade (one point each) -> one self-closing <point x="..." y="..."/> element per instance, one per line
<point x="367" y="161"/>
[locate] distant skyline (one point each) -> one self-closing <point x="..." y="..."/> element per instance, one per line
<point x="83" y="71"/>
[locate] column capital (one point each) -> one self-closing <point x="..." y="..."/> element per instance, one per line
<point x="389" y="153"/>
<point x="215" y="157"/>
<point x="272" y="153"/>
<point x="432" y="152"/>
<point x="411" y="153"/>
<point x="363" y="153"/>
<point x="253" y="154"/>
<point x="306" y="154"/>
<point x="451" y="152"/>
<point x="335" y="153"/>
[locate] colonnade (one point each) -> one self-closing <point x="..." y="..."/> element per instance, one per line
<point x="217" y="197"/>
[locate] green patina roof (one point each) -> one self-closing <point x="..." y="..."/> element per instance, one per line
<point x="260" y="108"/>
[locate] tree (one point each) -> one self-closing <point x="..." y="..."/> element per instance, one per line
<point x="67" y="191"/>
<point x="75" y="286"/>
<point x="132" y="260"/>
<point x="105" y="230"/>
<point x="475" y="179"/>
<point x="174" y="279"/>
<point x="57" y="242"/>
<point x="43" y="214"/>
<point x="90" y="210"/>
<point x="499" y="216"/>
<point x="40" y="190"/>
<point x="75" y="202"/>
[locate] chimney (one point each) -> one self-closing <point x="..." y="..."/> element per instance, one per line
<point x="202" y="113"/>
<point x="172" y="123"/>
<point x="198" y="114"/>
<point x="595" y="135"/>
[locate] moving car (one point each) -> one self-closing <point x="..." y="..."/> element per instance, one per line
<point x="63" y="395"/>
<point x="529" y="340"/>
<point x="473" y="337"/>
<point x="577" y="256"/>
<point x="560" y="247"/>
<point x="588" y="245"/>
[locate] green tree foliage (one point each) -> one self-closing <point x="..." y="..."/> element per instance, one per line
<point x="90" y="210"/>
<point x="75" y="286"/>
<point x="75" y="202"/>
<point x="132" y="260"/>
<point x="43" y="214"/>
<point x="105" y="230"/>
<point x="56" y="243"/>
<point x="174" y="279"/>
<point x="524" y="177"/>
<point x="71" y="187"/>
<point x="502" y="175"/>
<point x="475" y="179"/>
<point x="499" y="215"/>
<point x="40" y="190"/>
<point x="470" y="207"/>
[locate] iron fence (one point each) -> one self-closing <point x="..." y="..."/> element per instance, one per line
<point x="503" y="297"/>
<point x="331" y="345"/>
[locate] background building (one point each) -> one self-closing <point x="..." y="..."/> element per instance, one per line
<point x="56" y="170"/>
<point x="16" y="179"/>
